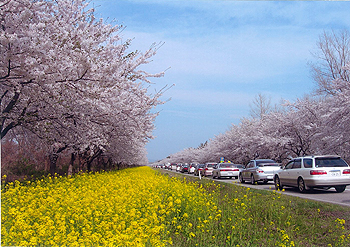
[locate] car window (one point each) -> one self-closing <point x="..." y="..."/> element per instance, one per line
<point x="297" y="164"/>
<point x="289" y="165"/>
<point x="330" y="162"/>
<point x="268" y="164"/>
<point x="237" y="166"/>
<point x="307" y="163"/>
<point x="264" y="161"/>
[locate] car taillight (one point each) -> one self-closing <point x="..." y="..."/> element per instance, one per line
<point x="235" y="170"/>
<point x="260" y="171"/>
<point x="318" y="172"/>
<point x="207" y="169"/>
<point x="346" y="171"/>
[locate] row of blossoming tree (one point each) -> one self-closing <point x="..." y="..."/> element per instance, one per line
<point x="318" y="123"/>
<point x="69" y="81"/>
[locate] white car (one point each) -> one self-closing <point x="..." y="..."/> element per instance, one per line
<point x="208" y="169"/>
<point x="192" y="168"/>
<point x="227" y="170"/>
<point x="310" y="172"/>
<point x="178" y="167"/>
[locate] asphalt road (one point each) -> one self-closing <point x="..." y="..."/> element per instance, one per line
<point x="330" y="196"/>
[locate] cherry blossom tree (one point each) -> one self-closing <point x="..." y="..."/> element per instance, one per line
<point x="70" y="79"/>
<point x="333" y="55"/>
<point x="261" y="106"/>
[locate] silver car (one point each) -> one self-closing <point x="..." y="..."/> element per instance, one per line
<point x="259" y="170"/>
<point x="208" y="169"/>
<point x="227" y="170"/>
<point x="310" y="172"/>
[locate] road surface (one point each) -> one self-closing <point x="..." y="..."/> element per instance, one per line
<point x="330" y="196"/>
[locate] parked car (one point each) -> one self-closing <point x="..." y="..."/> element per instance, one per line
<point x="259" y="170"/>
<point x="192" y="168"/>
<point x="178" y="167"/>
<point x="173" y="166"/>
<point x="184" y="168"/>
<point x="227" y="170"/>
<point x="310" y="172"/>
<point x="198" y="169"/>
<point x="208" y="169"/>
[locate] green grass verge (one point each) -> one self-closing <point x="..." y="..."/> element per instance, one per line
<point x="252" y="217"/>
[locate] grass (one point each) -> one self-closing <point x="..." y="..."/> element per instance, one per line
<point x="144" y="207"/>
<point x="252" y="217"/>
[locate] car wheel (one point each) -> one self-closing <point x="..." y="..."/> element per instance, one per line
<point x="278" y="185"/>
<point x="252" y="179"/>
<point x="301" y="185"/>
<point x="241" y="178"/>
<point x="340" y="188"/>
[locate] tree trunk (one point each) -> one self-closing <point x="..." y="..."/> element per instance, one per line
<point x="53" y="159"/>
<point x="53" y="163"/>
<point x="91" y="159"/>
<point x="70" y="168"/>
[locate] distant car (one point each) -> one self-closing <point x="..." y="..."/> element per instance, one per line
<point x="178" y="167"/>
<point x="208" y="169"/>
<point x="259" y="170"/>
<point x="173" y="166"/>
<point x="310" y="172"/>
<point x="198" y="169"/>
<point x="184" y="168"/>
<point x="227" y="170"/>
<point x="192" y="168"/>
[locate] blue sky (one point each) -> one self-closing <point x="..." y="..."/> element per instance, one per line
<point x="220" y="55"/>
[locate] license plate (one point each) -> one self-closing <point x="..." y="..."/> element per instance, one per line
<point x="270" y="177"/>
<point x="334" y="173"/>
<point x="230" y="173"/>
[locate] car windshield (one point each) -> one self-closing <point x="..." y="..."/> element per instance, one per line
<point x="330" y="162"/>
<point x="211" y="165"/>
<point x="200" y="166"/>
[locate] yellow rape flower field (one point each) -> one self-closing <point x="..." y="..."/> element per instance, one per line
<point x="144" y="207"/>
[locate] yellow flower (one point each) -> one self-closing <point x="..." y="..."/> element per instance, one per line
<point x="100" y="208"/>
